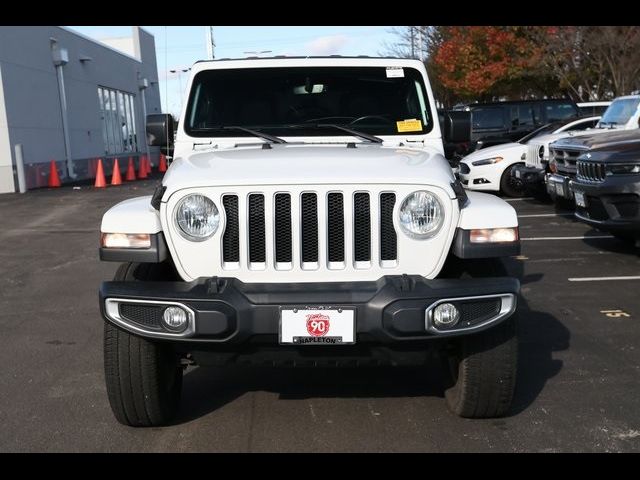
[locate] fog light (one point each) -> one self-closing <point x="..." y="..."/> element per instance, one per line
<point x="446" y="315"/>
<point x="174" y="319"/>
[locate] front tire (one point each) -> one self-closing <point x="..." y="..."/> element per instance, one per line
<point x="482" y="370"/>
<point x="143" y="378"/>
<point x="511" y="186"/>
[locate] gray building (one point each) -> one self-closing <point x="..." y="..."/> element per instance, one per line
<point x="68" y="98"/>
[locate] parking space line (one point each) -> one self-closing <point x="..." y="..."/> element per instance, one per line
<point x="598" y="279"/>
<point x="569" y="214"/>
<point x="581" y="237"/>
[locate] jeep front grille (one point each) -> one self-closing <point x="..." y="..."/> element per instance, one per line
<point x="297" y="224"/>
<point x="535" y="154"/>
<point x="307" y="233"/>
<point x="591" y="172"/>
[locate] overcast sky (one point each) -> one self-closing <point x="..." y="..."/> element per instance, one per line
<point x="179" y="47"/>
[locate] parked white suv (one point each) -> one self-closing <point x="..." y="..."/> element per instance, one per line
<point x="490" y="169"/>
<point x="309" y="217"/>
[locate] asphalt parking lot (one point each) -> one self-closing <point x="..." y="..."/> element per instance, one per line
<point x="578" y="386"/>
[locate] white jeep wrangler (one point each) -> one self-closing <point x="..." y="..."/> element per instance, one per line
<point x="309" y="217"/>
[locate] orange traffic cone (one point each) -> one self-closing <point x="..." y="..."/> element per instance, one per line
<point x="162" y="167"/>
<point x="101" y="182"/>
<point x="116" y="179"/>
<point x="54" y="179"/>
<point x="142" y="168"/>
<point x="131" y="171"/>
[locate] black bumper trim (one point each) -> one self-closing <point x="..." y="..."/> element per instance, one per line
<point x="157" y="253"/>
<point x="529" y="175"/>
<point x="388" y="311"/>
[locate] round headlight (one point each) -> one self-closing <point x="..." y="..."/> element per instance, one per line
<point x="197" y="217"/>
<point x="421" y="214"/>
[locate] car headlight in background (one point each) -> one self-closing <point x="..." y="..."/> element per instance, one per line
<point x="197" y="217"/>
<point x="624" y="169"/>
<point x="487" y="161"/>
<point x="421" y="214"/>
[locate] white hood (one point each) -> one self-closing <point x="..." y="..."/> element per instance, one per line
<point x="552" y="137"/>
<point x="502" y="150"/>
<point x="310" y="164"/>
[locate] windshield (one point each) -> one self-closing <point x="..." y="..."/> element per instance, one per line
<point x="544" y="130"/>
<point x="373" y="100"/>
<point x="620" y="111"/>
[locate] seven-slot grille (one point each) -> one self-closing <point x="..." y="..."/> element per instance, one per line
<point x="351" y="230"/>
<point x="534" y="151"/>
<point x="591" y="171"/>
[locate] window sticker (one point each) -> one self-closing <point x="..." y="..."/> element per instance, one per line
<point x="412" y="125"/>
<point x="395" y="72"/>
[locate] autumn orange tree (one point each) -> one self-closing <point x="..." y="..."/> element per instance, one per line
<point x="479" y="62"/>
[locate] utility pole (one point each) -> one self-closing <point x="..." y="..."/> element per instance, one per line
<point x="211" y="44"/>
<point x="413" y="43"/>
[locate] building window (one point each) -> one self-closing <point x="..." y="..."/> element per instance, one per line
<point x="118" y="121"/>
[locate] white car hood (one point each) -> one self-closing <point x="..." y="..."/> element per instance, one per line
<point x="552" y="137"/>
<point x="309" y="164"/>
<point x="501" y="150"/>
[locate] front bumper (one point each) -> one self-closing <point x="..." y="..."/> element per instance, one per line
<point x="225" y="311"/>
<point x="530" y="176"/>
<point x="612" y="205"/>
<point x="558" y="185"/>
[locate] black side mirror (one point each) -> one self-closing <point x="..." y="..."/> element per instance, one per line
<point x="457" y="126"/>
<point x="160" y="127"/>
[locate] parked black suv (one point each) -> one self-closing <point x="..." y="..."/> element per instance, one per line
<point x="502" y="122"/>
<point x="607" y="185"/>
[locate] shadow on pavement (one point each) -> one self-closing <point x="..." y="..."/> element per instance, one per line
<point x="208" y="389"/>
<point x="540" y="334"/>
<point x="614" y="245"/>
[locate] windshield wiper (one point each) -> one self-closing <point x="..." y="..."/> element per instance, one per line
<point x="255" y="133"/>
<point x="355" y="133"/>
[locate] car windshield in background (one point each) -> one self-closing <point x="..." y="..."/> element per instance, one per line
<point x="620" y="111"/>
<point x="544" y="130"/>
<point x="373" y="100"/>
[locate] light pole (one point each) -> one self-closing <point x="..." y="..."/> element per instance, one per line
<point x="180" y="71"/>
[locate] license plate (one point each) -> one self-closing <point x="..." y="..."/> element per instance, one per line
<point x="551" y="188"/>
<point x="517" y="172"/>
<point x="560" y="189"/>
<point x="317" y="326"/>
<point x="581" y="201"/>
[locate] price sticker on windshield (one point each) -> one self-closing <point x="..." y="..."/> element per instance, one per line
<point x="395" y="72"/>
<point x="412" y="125"/>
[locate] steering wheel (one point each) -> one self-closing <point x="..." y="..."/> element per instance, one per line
<point x="369" y="117"/>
